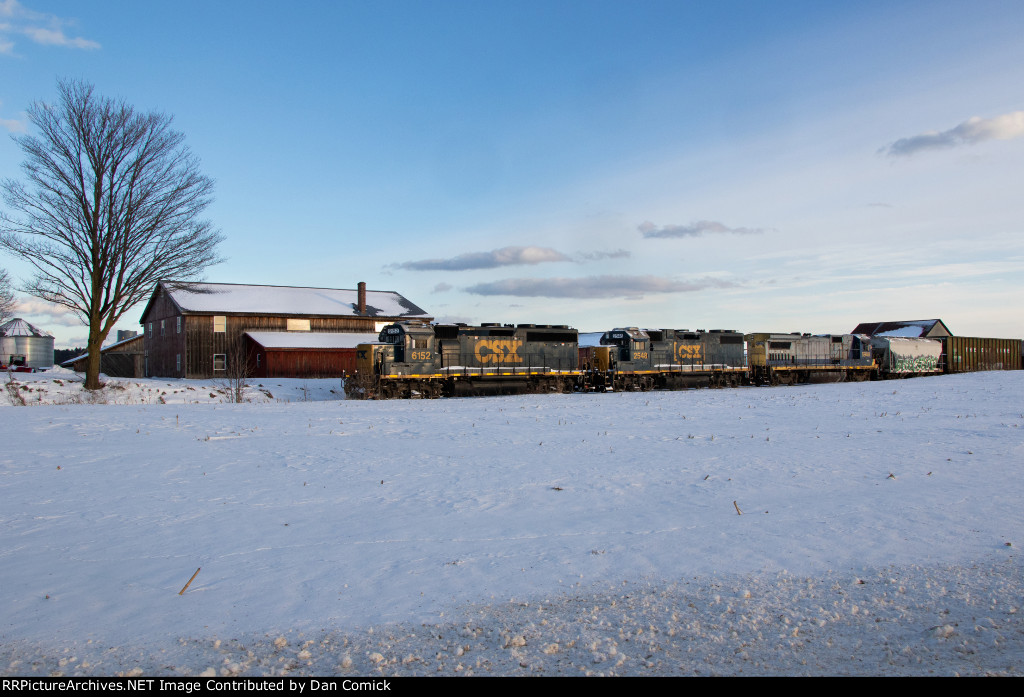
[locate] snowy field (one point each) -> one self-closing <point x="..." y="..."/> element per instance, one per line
<point x="560" y="535"/>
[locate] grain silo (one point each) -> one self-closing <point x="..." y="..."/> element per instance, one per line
<point x="24" y="344"/>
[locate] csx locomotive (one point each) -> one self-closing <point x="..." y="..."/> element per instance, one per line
<point x="416" y="359"/>
<point x="635" y="359"/>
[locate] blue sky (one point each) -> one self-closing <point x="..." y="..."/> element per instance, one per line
<point x="745" y="165"/>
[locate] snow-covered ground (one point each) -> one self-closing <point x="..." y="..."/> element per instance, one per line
<point x="563" y="534"/>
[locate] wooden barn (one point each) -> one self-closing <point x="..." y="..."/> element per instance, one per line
<point x="302" y="354"/>
<point x="199" y="330"/>
<point x="121" y="359"/>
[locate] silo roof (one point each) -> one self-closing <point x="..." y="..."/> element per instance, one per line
<point x="19" y="327"/>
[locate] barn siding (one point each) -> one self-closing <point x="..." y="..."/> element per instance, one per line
<point x="161" y="351"/>
<point x="301" y="363"/>
<point x="203" y="342"/>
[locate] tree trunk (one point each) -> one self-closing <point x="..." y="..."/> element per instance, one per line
<point x="92" y="364"/>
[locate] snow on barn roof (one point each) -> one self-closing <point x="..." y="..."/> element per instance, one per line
<point x="19" y="327"/>
<point x="311" y="340"/>
<point x="230" y="298"/>
<point x="909" y="329"/>
<point x="103" y="349"/>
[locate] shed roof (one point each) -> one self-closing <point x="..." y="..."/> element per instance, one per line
<point x="122" y="344"/>
<point x="909" y="328"/>
<point x="311" y="340"/>
<point x="231" y="298"/>
<point x="19" y="327"/>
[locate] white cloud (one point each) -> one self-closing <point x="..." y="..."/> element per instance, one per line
<point x="44" y="313"/>
<point x="597" y="256"/>
<point x="594" y="286"/>
<point x="56" y="37"/>
<point x="695" y="229"/>
<point x="14" y="125"/>
<point x="506" y="256"/>
<point x="41" y="28"/>
<point x="971" y="132"/>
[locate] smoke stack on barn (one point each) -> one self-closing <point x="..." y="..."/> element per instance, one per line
<point x="361" y="298"/>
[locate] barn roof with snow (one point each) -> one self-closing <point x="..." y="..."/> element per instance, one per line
<point x="311" y="340"/>
<point x="236" y="299"/>
<point x="910" y="329"/>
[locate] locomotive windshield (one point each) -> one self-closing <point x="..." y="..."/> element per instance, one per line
<point x="391" y="335"/>
<point x="616" y="338"/>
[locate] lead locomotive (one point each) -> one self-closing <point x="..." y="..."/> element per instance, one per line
<point x="415" y="359"/>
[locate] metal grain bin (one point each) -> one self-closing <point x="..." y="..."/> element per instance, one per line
<point x="22" y="343"/>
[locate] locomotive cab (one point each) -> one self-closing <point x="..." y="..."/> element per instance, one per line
<point x="413" y="344"/>
<point x="632" y="347"/>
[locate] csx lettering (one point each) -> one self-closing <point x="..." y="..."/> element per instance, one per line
<point x="498" y="351"/>
<point x="686" y="352"/>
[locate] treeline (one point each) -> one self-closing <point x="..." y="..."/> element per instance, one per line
<point x="61" y="355"/>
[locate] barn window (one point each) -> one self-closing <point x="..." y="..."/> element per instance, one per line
<point x="298" y="325"/>
<point x="179" y="324"/>
<point x="220" y="361"/>
<point x="149" y="329"/>
<point x="177" y="362"/>
<point x="220" y="323"/>
<point x="161" y="327"/>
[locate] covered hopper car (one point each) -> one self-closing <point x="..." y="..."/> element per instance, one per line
<point x="900" y="357"/>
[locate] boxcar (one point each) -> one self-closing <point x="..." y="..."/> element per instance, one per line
<point x="964" y="354"/>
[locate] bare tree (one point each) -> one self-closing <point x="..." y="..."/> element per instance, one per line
<point x="6" y="297"/>
<point x="112" y="205"/>
<point x="238" y="370"/>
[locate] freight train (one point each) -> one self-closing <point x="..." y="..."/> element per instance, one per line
<point x="417" y="359"/>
